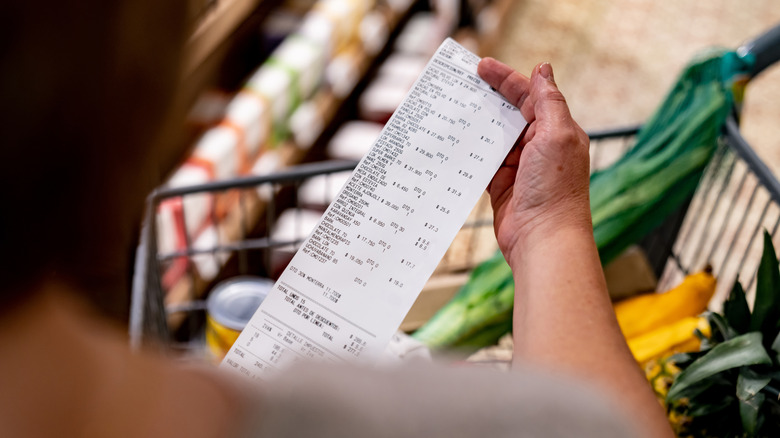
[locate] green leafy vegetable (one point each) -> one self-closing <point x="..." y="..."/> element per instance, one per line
<point x="776" y="347"/>
<point x="736" y="309"/>
<point x="629" y="199"/>
<point x="741" y="351"/>
<point x="749" y="383"/>
<point x="470" y="311"/>
<point x="766" y="308"/>
<point x="729" y="389"/>
<point x="748" y="412"/>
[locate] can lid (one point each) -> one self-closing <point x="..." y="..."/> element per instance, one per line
<point x="233" y="302"/>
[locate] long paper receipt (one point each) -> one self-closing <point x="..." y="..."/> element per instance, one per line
<point x="356" y="276"/>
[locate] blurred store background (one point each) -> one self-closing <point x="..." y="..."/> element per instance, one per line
<point x="278" y="83"/>
<point x="614" y="60"/>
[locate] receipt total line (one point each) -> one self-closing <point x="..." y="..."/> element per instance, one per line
<point x="256" y="356"/>
<point x="326" y="308"/>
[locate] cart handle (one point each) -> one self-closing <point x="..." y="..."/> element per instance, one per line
<point x="764" y="50"/>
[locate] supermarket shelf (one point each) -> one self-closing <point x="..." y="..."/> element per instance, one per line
<point x="216" y="57"/>
<point x="244" y="215"/>
<point x="332" y="110"/>
<point x="231" y="23"/>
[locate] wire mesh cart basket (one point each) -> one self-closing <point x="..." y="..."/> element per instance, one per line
<point x="270" y="215"/>
<point x="738" y="196"/>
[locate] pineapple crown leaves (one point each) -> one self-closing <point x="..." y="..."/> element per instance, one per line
<point x="743" y="349"/>
<point x="766" y="308"/>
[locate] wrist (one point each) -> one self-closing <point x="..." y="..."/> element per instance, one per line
<point x="556" y="229"/>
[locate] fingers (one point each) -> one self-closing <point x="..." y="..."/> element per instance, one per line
<point x="539" y="100"/>
<point x="545" y="101"/>
<point x="511" y="84"/>
<point x="539" y="93"/>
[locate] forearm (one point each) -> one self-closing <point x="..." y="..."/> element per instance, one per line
<point x="563" y="320"/>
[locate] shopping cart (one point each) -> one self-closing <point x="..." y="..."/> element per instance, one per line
<point x="719" y="226"/>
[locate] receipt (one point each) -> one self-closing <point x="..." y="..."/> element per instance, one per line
<point x="356" y="276"/>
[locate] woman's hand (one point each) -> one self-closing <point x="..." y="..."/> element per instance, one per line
<point x="543" y="183"/>
<point x="563" y="319"/>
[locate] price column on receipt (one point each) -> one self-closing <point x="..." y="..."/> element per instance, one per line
<point x="354" y="279"/>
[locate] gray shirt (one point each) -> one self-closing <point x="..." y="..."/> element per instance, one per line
<point x="425" y="400"/>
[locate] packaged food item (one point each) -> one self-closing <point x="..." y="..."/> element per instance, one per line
<point x="181" y="220"/>
<point x="208" y="262"/>
<point x="268" y="163"/>
<point x="381" y="98"/>
<point x="305" y="58"/>
<point x="230" y="306"/>
<point x="171" y="236"/>
<point x="345" y="16"/>
<point x="319" y="191"/>
<point x="292" y="227"/>
<point x="343" y="71"/>
<point x="222" y="153"/>
<point x="274" y="83"/>
<point x="195" y="208"/>
<point x="306" y="124"/>
<point x="167" y="230"/>
<point x="288" y="77"/>
<point x="317" y="26"/>
<point x="423" y="34"/>
<point x="393" y="80"/>
<point x="353" y="140"/>
<point x="216" y="152"/>
<point x="402" y="67"/>
<point x="250" y="113"/>
<point x="374" y="31"/>
<point x="343" y="20"/>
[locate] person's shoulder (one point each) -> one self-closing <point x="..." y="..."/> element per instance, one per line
<point x="425" y="400"/>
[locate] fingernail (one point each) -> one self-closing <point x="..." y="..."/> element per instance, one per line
<point x="545" y="69"/>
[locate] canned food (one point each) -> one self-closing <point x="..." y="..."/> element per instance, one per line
<point x="229" y="307"/>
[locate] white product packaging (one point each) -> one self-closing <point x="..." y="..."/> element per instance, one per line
<point x="343" y="72"/>
<point x="251" y="114"/>
<point x="306" y="124"/>
<point x="217" y="152"/>
<point x="374" y="31"/>
<point x="353" y="140"/>
<point x="208" y="263"/>
<point x="306" y="59"/>
<point x="275" y="83"/>
<point x="403" y="67"/>
<point x="316" y="26"/>
<point x="319" y="191"/>
<point x="268" y="163"/>
<point x="195" y="207"/>
<point x="422" y="34"/>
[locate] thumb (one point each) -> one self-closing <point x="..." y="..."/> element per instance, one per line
<point x="549" y="104"/>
